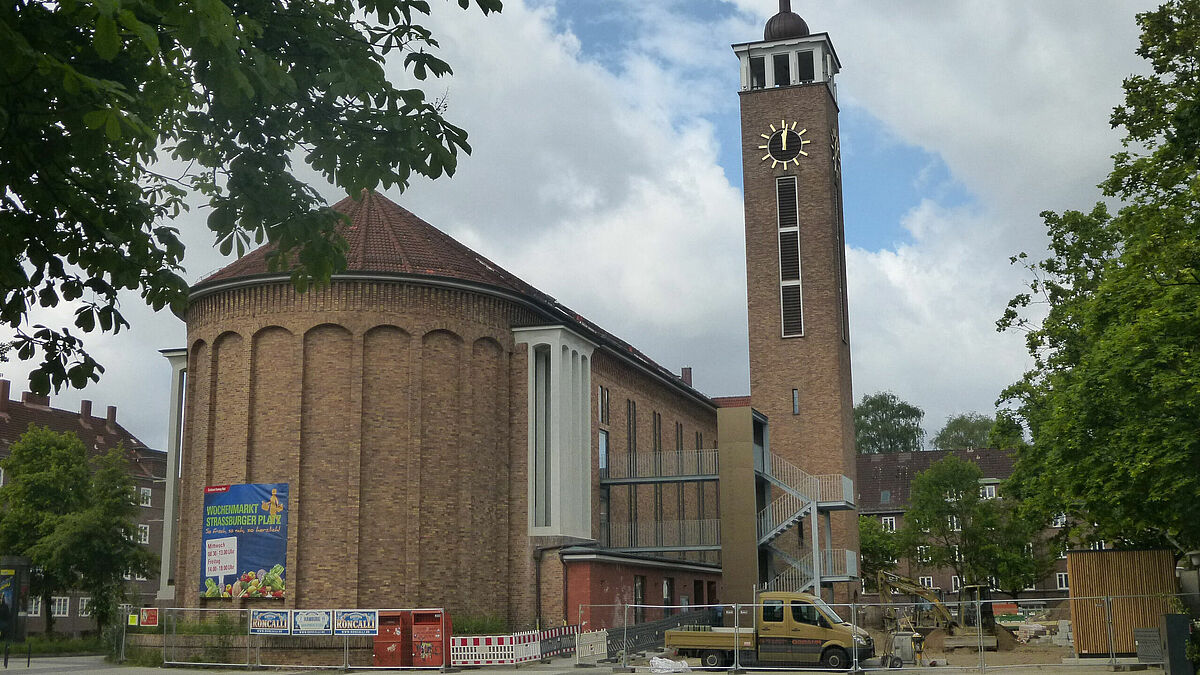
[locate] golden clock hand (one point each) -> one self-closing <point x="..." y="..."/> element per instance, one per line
<point x="785" y="140"/>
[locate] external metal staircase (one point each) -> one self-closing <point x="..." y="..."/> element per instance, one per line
<point x="798" y="498"/>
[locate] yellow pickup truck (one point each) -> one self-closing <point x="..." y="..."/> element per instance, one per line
<point x="790" y="629"/>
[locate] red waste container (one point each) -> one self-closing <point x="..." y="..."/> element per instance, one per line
<point x="430" y="638"/>
<point x="393" y="644"/>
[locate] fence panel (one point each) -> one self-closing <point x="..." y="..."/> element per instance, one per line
<point x="212" y="637"/>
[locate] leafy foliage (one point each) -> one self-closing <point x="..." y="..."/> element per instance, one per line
<point x="966" y="431"/>
<point x="880" y="549"/>
<point x="884" y="423"/>
<point x="73" y="519"/>
<point x="1112" y="402"/>
<point x="95" y="95"/>
<point x="948" y="524"/>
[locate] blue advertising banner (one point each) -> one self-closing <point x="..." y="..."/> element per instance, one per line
<point x="270" y="622"/>
<point x="244" y="540"/>
<point x="356" y="622"/>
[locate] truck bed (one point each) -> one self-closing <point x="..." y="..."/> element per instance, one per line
<point x="720" y="637"/>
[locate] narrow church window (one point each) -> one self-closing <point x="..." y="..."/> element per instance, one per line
<point x="805" y="67"/>
<point x="541" y="407"/>
<point x="795" y="401"/>
<point x="788" y="217"/>
<point x="782" y="75"/>
<point x="758" y="72"/>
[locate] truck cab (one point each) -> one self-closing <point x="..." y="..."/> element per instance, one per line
<point x="798" y="628"/>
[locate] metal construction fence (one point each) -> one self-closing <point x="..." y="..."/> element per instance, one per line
<point x="223" y="638"/>
<point x="1100" y="631"/>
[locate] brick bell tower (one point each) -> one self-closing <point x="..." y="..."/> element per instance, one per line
<point x="795" y="258"/>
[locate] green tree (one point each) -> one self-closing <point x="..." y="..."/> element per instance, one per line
<point x="940" y="526"/>
<point x="95" y="95"/>
<point x="1111" y="402"/>
<point x="884" y="423"/>
<point x="880" y="549"/>
<point x="73" y="520"/>
<point x="966" y="431"/>
<point x="1016" y="551"/>
<point x="1006" y="432"/>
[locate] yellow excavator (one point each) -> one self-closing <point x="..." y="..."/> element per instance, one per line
<point x="928" y="616"/>
<point x="892" y="584"/>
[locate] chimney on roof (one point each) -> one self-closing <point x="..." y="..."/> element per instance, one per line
<point x="4" y="387"/>
<point x="85" y="412"/>
<point x="112" y="417"/>
<point x="30" y="398"/>
<point x="686" y="375"/>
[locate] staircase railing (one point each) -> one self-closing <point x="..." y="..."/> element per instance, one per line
<point x="798" y="480"/>
<point x="779" y="515"/>
<point x="796" y="577"/>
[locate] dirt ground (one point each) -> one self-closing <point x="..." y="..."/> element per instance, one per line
<point x="1009" y="652"/>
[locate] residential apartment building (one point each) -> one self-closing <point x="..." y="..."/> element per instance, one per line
<point x="147" y="468"/>
<point x="884" y="489"/>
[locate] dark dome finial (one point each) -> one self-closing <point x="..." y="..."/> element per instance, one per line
<point x="786" y="24"/>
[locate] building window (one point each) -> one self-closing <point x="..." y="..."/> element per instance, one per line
<point x="1" y="475"/>
<point x="758" y="72"/>
<point x="679" y="437"/>
<point x="987" y="491"/>
<point x="955" y="584"/>
<point x="699" y="440"/>
<point x="1098" y="545"/>
<point x="668" y="592"/>
<point x="1061" y="581"/>
<point x="85" y="606"/>
<point x="60" y="606"/>
<point x="602" y="452"/>
<point x="783" y="76"/>
<point x="147" y="496"/>
<point x="888" y="523"/>
<point x="922" y="554"/>
<point x="127" y="576"/>
<point x="143" y="534"/>
<point x="603" y="403"/>
<point x="639" y="598"/>
<point x="806" y="70"/>
<point x="795" y="401"/>
<point x="1059" y="521"/>
<point x="33" y="607"/>
<point x="952" y="523"/>
<point x="885" y="496"/>
<point x="927" y="582"/>
<point x="788" y="220"/>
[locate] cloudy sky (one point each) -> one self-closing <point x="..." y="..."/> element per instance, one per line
<point x="606" y="172"/>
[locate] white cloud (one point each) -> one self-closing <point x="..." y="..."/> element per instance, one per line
<point x="597" y="179"/>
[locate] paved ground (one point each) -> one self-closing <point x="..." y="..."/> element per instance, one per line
<point x="95" y="664"/>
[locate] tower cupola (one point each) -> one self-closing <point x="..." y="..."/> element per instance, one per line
<point x="788" y="55"/>
<point x="786" y="24"/>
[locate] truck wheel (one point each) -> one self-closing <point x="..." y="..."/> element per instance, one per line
<point x="835" y="658"/>
<point x="712" y="659"/>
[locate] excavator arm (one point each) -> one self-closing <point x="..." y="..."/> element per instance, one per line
<point x="890" y="583"/>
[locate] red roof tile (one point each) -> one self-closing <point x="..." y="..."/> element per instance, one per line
<point x="383" y="236"/>
<point x="95" y="432"/>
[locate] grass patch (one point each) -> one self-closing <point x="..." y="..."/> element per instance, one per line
<point x="480" y="624"/>
<point x="56" y="644"/>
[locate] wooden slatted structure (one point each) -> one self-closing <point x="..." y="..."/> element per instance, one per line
<point x="1139" y="584"/>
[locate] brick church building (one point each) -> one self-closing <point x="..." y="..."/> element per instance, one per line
<point x="452" y="436"/>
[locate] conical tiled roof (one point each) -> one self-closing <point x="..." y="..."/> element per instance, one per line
<point x="384" y="237"/>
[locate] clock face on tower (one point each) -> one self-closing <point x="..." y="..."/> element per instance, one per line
<point x="784" y="144"/>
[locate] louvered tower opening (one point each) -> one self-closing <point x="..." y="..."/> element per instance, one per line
<point x="790" y="295"/>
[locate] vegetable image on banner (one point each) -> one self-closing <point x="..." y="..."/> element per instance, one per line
<point x="244" y="540"/>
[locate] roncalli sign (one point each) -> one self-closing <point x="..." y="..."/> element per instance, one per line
<point x="244" y="540"/>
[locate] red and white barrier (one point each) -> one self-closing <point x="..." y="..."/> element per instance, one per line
<point x="498" y="650"/>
